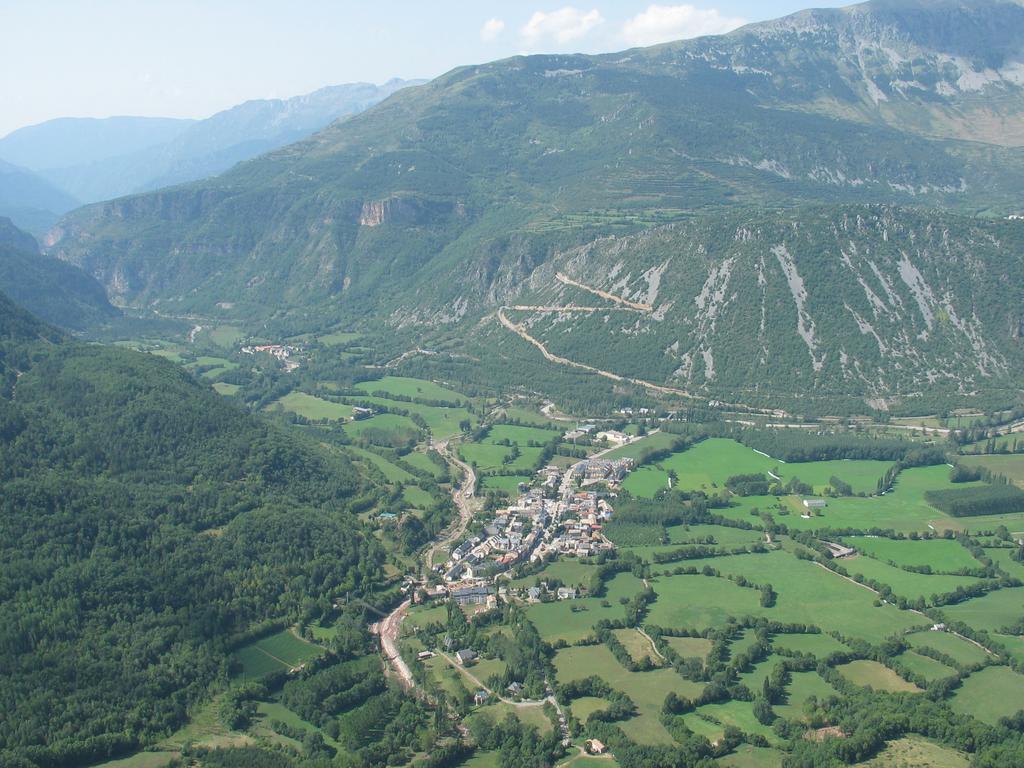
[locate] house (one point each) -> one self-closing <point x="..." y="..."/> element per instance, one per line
<point x="424" y="655"/>
<point x="595" y="747"/>
<point x="815" y="503"/>
<point x="514" y="688"/>
<point x="472" y="595"/>
<point x="466" y="656"/>
<point x="613" y="436"/>
<point x="481" y="697"/>
<point x="566" y="593"/>
<point x="533" y="594"/>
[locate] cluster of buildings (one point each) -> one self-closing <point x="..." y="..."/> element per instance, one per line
<point x="283" y="352"/>
<point x="610" y="471"/>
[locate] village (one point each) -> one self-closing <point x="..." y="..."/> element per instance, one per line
<point x="559" y="517"/>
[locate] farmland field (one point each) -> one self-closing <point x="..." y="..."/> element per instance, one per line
<point x="690" y="647"/>
<point x="569" y="571"/>
<point x="802" y="686"/>
<point x="990" y="612"/>
<point x="417" y="497"/>
<point x="1009" y="465"/>
<point x="442" y="422"/>
<point x="573" y="620"/>
<point x="310" y="407"/>
<point x="871" y="674"/>
<point x="746" y="756"/>
<point x="392" y="472"/>
<point x="388" y="423"/>
<point x="927" y="667"/>
<point x="584" y="706"/>
<point x="223" y="388"/>
<point x="960" y="650"/>
<point x="990" y="694"/>
<point x="905" y="583"/>
<point x="422" y="461"/>
<point x="506" y="483"/>
<point x="861" y="475"/>
<point x="280" y="651"/>
<point x="942" y="555"/>
<point x="819" y="646"/>
<point x="723" y="536"/>
<point x="647" y="689"/>
<point x="656" y="442"/>
<point x="414" y="388"/>
<point x="699" y="602"/>
<point x="711" y="720"/>
<point x="638" y="646"/>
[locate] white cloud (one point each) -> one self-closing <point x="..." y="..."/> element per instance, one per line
<point x="562" y="26"/>
<point x="661" y="23"/>
<point x="491" y="29"/>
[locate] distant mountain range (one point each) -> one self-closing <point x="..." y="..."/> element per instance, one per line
<point x="70" y="161"/>
<point x="435" y="208"/>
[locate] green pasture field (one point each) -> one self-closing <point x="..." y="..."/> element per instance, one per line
<point x="801" y="687"/>
<point x="942" y="555"/>
<point x="528" y="416"/>
<point x="820" y="646"/>
<point x="450" y="680"/>
<point x="990" y="612"/>
<point x="280" y="651"/>
<point x="699" y="602"/>
<point x="1013" y="644"/>
<point x="559" y="620"/>
<point x="638" y="646"/>
<point x="905" y="583"/>
<point x="746" y="756"/>
<point x="807" y="594"/>
<point x="273" y="710"/>
<point x="1006" y="442"/>
<point x="754" y="678"/>
<point x="645" y="482"/>
<point x="646" y="689"/>
<point x="311" y="407"/>
<point x="927" y="667"/>
<point x="743" y="641"/>
<point x="690" y="647"/>
<point x="878" y="677"/>
<point x="415" y="388"/>
<point x="228" y="390"/>
<point x="569" y="571"/>
<point x="506" y="483"/>
<point x="724" y="536"/>
<point x="338" y="338"/>
<point x="527" y="715"/>
<point x="143" y="760"/>
<point x="960" y="650"/>
<point x="443" y="422"/>
<point x="903" y="509"/>
<point x="520" y="435"/>
<point x="1003" y="557"/>
<point x="739" y="714"/>
<point x="1010" y="466"/>
<point x="226" y="336"/>
<point x="386" y="422"/>
<point x="916" y="752"/>
<point x="486" y="456"/>
<point x="420" y="460"/>
<point x="861" y="475"/>
<point x="484" y="668"/>
<point x="657" y="441"/>
<point x="417" y="497"/>
<point x="422" y="615"/>
<point x="583" y="707"/>
<point x="392" y="472"/>
<point x="990" y="694"/>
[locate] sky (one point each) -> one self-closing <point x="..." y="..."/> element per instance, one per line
<point x="191" y="58"/>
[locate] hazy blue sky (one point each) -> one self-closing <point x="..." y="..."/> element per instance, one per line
<point x="190" y="58"/>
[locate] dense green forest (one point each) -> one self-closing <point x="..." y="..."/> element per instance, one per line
<point x="145" y="522"/>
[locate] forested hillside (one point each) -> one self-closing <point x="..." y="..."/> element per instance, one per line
<point x="53" y="290"/>
<point x="145" y="522"/>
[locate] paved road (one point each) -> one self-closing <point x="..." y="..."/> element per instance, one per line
<point x="390" y="627"/>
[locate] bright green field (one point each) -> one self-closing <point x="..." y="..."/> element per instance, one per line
<point x="990" y="694"/>
<point x="443" y="422"/>
<point x="1003" y="557"/>
<point x="707" y="464"/>
<point x="927" y="667"/>
<point x="754" y="678"/>
<point x="527" y="416"/>
<point x="520" y="435"/>
<point x="916" y="752"/>
<point x="311" y="407"/>
<point x="990" y="612"/>
<point x="819" y="646"/>
<point x="583" y="707"/>
<point x="226" y="336"/>
<point x="385" y="422"/>
<point x="861" y="475"/>
<point x="417" y="497"/>
<point x="507" y="483"/>
<point x="273" y="710"/>
<point x="392" y="472"/>
<point x="739" y="714"/>
<point x="943" y="555"/>
<point x="415" y="388"/>
<point x="1011" y="465"/>
<point x="569" y="571"/>
<point x="421" y="461"/>
<point x="878" y="677"/>
<point x="746" y="756"/>
<point x="723" y="536"/>
<point x="699" y="602"/>
<point x="558" y="620"/>
<point x="647" y="689"/>
<point x="905" y="583"/>
<point x="486" y="456"/>
<point x="337" y="339"/>
<point x="958" y="649"/>
<point x="802" y="686"/>
<point x="638" y="646"/>
<point x="904" y="509"/>
<point x="658" y="441"/>
<point x="273" y="653"/>
<point x="807" y="594"/>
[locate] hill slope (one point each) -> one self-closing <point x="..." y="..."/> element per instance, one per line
<point x="146" y="522"/>
<point x="32" y="202"/>
<point x="53" y="290"/>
